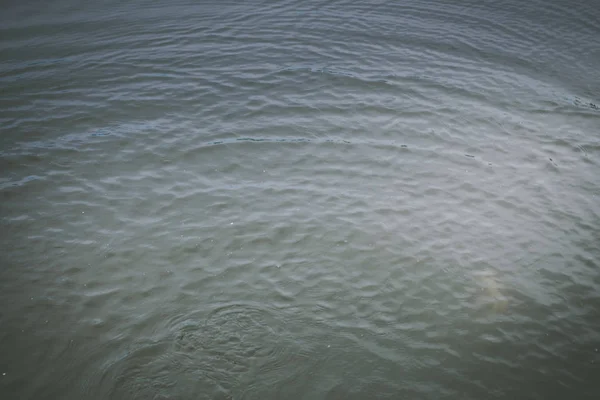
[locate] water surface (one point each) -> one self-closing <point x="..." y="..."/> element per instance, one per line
<point x="300" y="200"/>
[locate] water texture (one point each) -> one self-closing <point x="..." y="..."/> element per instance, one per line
<point x="300" y="199"/>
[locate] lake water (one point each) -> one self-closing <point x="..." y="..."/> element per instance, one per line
<point x="300" y="199"/>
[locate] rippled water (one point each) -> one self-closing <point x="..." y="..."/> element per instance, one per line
<point x="300" y="200"/>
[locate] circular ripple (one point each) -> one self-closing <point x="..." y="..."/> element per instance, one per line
<point x="237" y="350"/>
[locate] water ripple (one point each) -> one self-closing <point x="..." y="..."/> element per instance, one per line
<point x="290" y="199"/>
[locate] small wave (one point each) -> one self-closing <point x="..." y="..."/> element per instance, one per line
<point x="20" y="182"/>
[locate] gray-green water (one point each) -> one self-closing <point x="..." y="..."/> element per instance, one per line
<point x="300" y="200"/>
